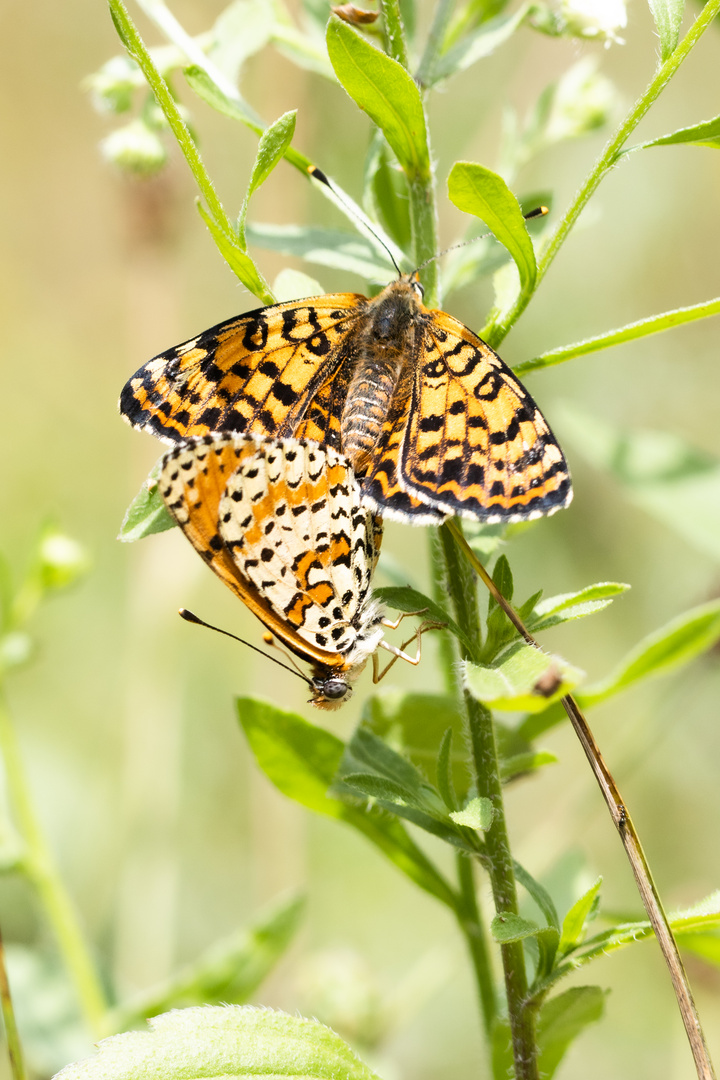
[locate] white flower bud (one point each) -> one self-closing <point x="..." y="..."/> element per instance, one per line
<point x="61" y="560"/>
<point x="135" y="148"/>
<point x="596" y="19"/>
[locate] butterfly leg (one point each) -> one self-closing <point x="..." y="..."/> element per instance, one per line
<point x="404" y="615"/>
<point x="399" y="653"/>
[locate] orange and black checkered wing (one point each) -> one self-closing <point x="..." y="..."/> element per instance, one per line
<point x="467" y="437"/>
<point x="255" y="374"/>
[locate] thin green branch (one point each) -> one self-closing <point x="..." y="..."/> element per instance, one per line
<point x="137" y="50"/>
<point x="17" y="1063"/>
<point x="160" y="14"/>
<point x="654" y="324"/>
<point x="38" y="864"/>
<point x="608" y="159"/>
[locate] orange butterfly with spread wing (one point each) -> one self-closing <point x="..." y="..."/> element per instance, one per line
<point x="430" y="418"/>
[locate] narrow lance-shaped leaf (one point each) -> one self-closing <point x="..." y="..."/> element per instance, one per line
<point x="562" y="1019"/>
<point x="386" y="92"/>
<point x="236" y="1041"/>
<point x="675" y="644"/>
<point x="238" y="260"/>
<point x="668" y="19"/>
<point x="482" y="192"/>
<point x="479" y="43"/>
<point x="271" y="148"/>
<point x="705" y="134"/>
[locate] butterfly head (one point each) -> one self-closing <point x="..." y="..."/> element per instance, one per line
<point x="329" y="691"/>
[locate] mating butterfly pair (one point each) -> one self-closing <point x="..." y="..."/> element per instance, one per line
<point x="429" y="419"/>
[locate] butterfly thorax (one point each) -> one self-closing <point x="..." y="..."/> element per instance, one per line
<point x="386" y="340"/>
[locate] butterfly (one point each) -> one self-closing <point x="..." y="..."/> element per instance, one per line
<point x="281" y="523"/>
<point x="431" y="420"/>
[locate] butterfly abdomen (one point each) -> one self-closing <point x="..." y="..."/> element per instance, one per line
<point x="385" y="343"/>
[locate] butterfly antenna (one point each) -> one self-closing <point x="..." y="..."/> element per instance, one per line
<point x="191" y="617"/>
<point x="539" y="211"/>
<point x="319" y="175"/>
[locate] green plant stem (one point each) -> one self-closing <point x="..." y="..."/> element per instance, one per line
<point x="654" y="324"/>
<point x="136" y="48"/>
<point x="38" y="864"/>
<point x="394" y="32"/>
<point x="17" y="1064"/>
<point x="607" y="160"/>
<point x="471" y="924"/>
<point x="498" y="859"/>
<point x="626" y="829"/>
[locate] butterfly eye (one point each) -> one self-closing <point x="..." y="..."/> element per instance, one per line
<point x="332" y="689"/>
<point x="418" y="288"/>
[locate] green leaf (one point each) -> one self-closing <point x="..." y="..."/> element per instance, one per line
<point x="304" y="51"/>
<point x="675" y="644"/>
<point x="507" y="927"/>
<point x="415" y="724"/>
<point x="301" y="760"/>
<point x="386" y="192"/>
<point x="562" y="1019"/>
<point x="237" y="1041"/>
<point x="522" y="764"/>
<point x="567" y="606"/>
<point x="240" y="31"/>
<point x="479" y="191"/>
<point x="523" y="679"/>
<point x="573" y="925"/>
<point x="372" y="768"/>
<point x="273" y="145"/>
<point x="336" y="248"/>
<point x="147" y="513"/>
<point x="228" y="972"/>
<point x="294" y="285"/>
<point x="444" y="771"/>
<point x="405" y="599"/>
<point x="476" y="814"/>
<point x="539" y="894"/>
<point x="237" y="259"/>
<point x="386" y="92"/>
<point x="478" y="44"/>
<point x="668" y="16"/>
<point x="237" y="109"/>
<point x="664" y="475"/>
<point x="705" y="134"/>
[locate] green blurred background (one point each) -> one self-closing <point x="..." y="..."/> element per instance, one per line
<point x="166" y="834"/>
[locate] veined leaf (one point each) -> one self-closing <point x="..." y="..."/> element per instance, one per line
<point x="675" y="644"/>
<point x="237" y="1041"/>
<point x="337" y="248"/>
<point x="559" y="609"/>
<point x="273" y="146"/>
<point x="523" y="679"/>
<point x="668" y="19"/>
<point x="705" y="134"/>
<point x="482" y="192"/>
<point x="386" y="92"/>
